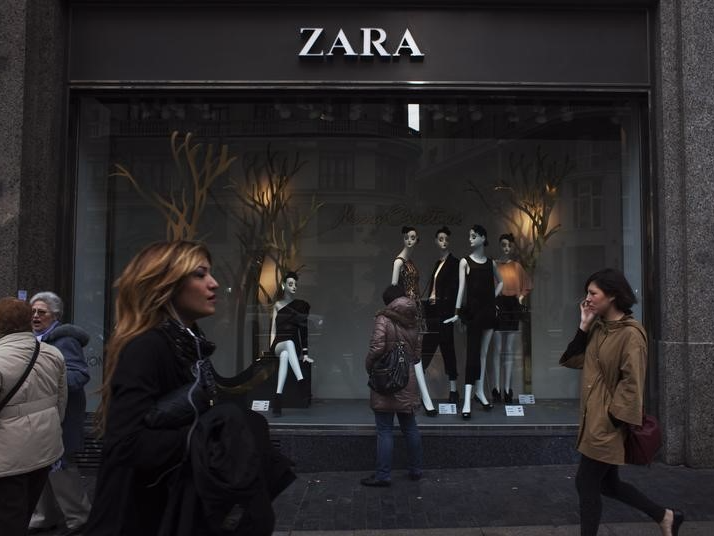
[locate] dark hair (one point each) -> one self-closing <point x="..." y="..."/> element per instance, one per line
<point x="408" y="228"/>
<point x="391" y="293"/>
<point x="15" y="316"/>
<point x="444" y="230"/>
<point x="507" y="236"/>
<point x="614" y="284"/>
<point x="481" y="231"/>
<point x="290" y="275"/>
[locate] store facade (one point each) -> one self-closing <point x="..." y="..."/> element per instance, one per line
<point x="317" y="134"/>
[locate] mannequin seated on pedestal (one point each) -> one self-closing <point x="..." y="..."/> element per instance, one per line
<point x="289" y="337"/>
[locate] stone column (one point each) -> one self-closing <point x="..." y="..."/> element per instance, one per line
<point x="32" y="142"/>
<point x="12" y="89"/>
<point x="684" y="227"/>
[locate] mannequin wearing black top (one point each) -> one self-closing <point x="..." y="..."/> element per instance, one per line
<point x="441" y="294"/>
<point x="480" y="281"/>
<point x="288" y="333"/>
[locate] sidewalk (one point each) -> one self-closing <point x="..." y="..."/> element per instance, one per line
<point x="502" y="501"/>
<point x="491" y="501"/>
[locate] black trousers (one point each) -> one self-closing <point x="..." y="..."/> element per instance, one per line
<point x="596" y="478"/>
<point x="18" y="496"/>
<point x="474" y="334"/>
<point x="439" y="335"/>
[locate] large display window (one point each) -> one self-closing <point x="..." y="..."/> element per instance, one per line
<point x="324" y="187"/>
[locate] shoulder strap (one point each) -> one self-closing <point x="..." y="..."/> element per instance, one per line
<point x="22" y="379"/>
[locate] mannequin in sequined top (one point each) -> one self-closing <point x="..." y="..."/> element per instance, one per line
<point x="406" y="275"/>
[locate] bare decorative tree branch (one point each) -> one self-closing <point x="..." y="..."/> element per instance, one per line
<point x="533" y="190"/>
<point x="182" y="214"/>
<point x="270" y="226"/>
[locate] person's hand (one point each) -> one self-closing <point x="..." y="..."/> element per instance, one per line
<point x="451" y="320"/>
<point x="587" y="315"/>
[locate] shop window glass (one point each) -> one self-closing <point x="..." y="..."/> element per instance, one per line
<point x="325" y="186"/>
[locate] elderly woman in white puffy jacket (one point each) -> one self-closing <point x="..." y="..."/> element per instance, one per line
<point x="30" y="422"/>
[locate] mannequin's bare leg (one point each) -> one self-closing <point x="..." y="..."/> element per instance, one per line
<point x="288" y="355"/>
<point x="508" y="361"/>
<point x="421" y="381"/>
<point x="485" y="342"/>
<point x="497" y="346"/>
<point x="466" y="409"/>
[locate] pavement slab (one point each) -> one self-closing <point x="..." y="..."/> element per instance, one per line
<point x="491" y="501"/>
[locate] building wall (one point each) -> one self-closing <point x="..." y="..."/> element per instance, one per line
<point x="32" y="143"/>
<point x="33" y="194"/>
<point x="684" y="191"/>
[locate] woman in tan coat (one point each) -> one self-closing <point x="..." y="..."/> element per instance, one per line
<point x="397" y="322"/>
<point x="30" y="423"/>
<point x="611" y="348"/>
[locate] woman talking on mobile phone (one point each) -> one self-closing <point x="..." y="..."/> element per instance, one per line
<point x="611" y="348"/>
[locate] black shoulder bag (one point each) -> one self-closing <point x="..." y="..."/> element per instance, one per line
<point x="390" y="373"/>
<point x="22" y="379"/>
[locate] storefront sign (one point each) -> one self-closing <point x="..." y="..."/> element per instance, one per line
<point x="212" y="44"/>
<point x="373" y="42"/>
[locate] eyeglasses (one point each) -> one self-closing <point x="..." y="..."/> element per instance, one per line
<point x="39" y="312"/>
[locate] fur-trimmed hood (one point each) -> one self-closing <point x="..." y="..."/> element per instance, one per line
<point x="67" y="330"/>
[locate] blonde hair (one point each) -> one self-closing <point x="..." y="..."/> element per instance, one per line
<point x="144" y="293"/>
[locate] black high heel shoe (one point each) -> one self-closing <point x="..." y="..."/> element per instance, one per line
<point x="453" y="397"/>
<point x="508" y="397"/>
<point x="486" y="407"/>
<point x="466" y="415"/>
<point x="278" y="405"/>
<point x="677" y="521"/>
<point x="430" y="412"/>
<point x="496" y="395"/>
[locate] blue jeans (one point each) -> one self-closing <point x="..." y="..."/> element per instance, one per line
<point x="384" y="421"/>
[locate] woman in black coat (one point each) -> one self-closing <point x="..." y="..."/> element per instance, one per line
<point x="161" y="294"/>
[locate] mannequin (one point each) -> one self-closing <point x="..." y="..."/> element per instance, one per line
<point x="439" y="305"/>
<point x="477" y="274"/>
<point x="288" y="335"/>
<point x="516" y="286"/>
<point x="406" y="275"/>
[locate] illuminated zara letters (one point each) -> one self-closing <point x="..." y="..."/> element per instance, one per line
<point x="373" y="42"/>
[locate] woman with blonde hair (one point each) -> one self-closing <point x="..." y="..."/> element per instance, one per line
<point x="163" y="290"/>
<point x="156" y="349"/>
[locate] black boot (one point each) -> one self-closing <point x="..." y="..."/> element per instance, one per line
<point x="454" y="397"/>
<point x="508" y="397"/>
<point x="278" y="405"/>
<point x="304" y="392"/>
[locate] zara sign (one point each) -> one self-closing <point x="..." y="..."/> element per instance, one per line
<point x="373" y="41"/>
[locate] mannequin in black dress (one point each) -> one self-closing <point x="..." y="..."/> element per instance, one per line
<point x="288" y="335"/>
<point x="480" y="281"/>
<point x="440" y="304"/>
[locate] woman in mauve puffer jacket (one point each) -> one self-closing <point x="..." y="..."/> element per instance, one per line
<point x="30" y="423"/>
<point x="396" y="323"/>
